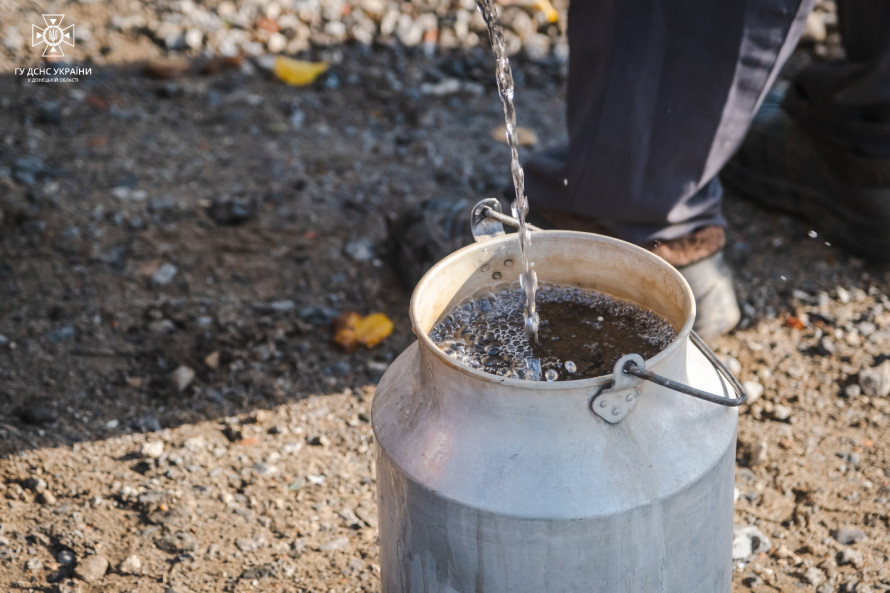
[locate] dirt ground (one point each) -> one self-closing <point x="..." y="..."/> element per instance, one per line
<point x="173" y="415"/>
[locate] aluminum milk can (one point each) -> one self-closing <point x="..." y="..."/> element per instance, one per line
<point x="612" y="484"/>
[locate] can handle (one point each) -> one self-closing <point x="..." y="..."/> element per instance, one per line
<point x="632" y="367"/>
<point x="487" y="220"/>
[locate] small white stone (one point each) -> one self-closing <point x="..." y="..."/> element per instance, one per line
<point x="748" y="541"/>
<point x="182" y="377"/>
<point x="876" y="380"/>
<point x="165" y="274"/>
<point x="754" y="391"/>
<point x="131" y="565"/>
<point x="152" y="449"/>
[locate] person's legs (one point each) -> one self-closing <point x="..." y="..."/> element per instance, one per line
<point x="848" y="102"/>
<point x="660" y="95"/>
<point x="824" y="153"/>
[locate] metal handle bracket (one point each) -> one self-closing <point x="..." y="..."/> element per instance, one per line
<point x="616" y="402"/>
<point x="487" y="220"/>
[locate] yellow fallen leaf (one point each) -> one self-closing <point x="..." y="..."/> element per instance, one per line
<point x="373" y="329"/>
<point x="343" y="328"/>
<point x="297" y="72"/>
<point x="549" y="12"/>
<point x="351" y="330"/>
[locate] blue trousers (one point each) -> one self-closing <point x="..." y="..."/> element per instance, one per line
<point x="661" y="94"/>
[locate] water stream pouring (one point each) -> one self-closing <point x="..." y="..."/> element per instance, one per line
<point x="615" y="483"/>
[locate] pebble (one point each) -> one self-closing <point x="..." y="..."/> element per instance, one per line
<point x="360" y="250"/>
<point x="334" y="544"/>
<point x="231" y="211"/>
<point x="282" y="306"/>
<point x="26" y="169"/>
<point x="752" y="582"/>
<point x="853" y="390"/>
<point x="754" y="391"/>
<point x="317" y="315"/>
<point x="92" y="568"/>
<point x="849" y="556"/>
<point x="69" y="586"/>
<point x="61" y="334"/>
<point x="748" y="541"/>
<point x="182" y="377"/>
<point x="849" y="535"/>
<point x="248" y="545"/>
<point x="814" y="576"/>
<point x="177" y="542"/>
<point x="130" y="565"/>
<point x="65" y="557"/>
<point x="162" y="327"/>
<point x="164" y="275"/>
<point x="318" y="441"/>
<point x="46" y="497"/>
<point x="152" y="449"/>
<point x="35" y="484"/>
<point x="212" y="360"/>
<point x="876" y="380"/>
<point x="146" y="424"/>
<point x="781" y="413"/>
<point x="33" y="564"/>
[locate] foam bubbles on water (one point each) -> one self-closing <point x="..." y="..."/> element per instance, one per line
<point x="582" y="333"/>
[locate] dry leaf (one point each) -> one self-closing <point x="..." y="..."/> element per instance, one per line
<point x="544" y="6"/>
<point x="547" y="8"/>
<point x="351" y="330"/>
<point x="297" y="72"/>
<point x="524" y="136"/>
<point x="373" y="329"/>
<point x="343" y="327"/>
<point x="795" y="323"/>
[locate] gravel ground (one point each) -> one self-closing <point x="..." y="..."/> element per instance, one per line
<point x="175" y="241"/>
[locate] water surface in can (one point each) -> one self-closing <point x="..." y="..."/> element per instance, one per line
<point x="582" y="333"/>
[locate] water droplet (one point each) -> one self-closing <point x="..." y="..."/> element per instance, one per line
<point x="570" y="367"/>
<point x="496" y="275"/>
<point x="551" y="375"/>
<point x="813" y="234"/>
<point x="508" y="263"/>
<point x="485" y="267"/>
